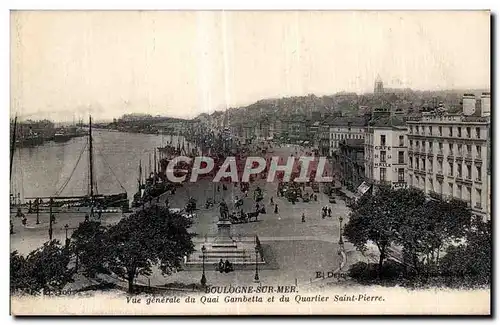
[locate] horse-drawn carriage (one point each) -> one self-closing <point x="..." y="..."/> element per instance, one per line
<point x="243" y="217"/>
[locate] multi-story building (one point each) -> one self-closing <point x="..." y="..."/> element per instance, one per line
<point x="386" y="152"/>
<point x="351" y="163"/>
<point x="448" y="157"/>
<point x="344" y="128"/>
<point x="324" y="138"/>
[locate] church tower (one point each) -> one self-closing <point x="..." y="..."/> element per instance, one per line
<point x="379" y="86"/>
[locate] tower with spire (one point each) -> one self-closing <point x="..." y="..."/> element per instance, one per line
<point x="379" y="86"/>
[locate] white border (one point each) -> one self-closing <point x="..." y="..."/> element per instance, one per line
<point x="187" y="4"/>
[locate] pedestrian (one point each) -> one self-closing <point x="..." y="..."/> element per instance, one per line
<point x="53" y="218"/>
<point x="329" y="212"/>
<point x="303" y="217"/>
<point x="276" y="208"/>
<point x="11" y="227"/>
<point x="87" y="217"/>
<point x="25" y="221"/>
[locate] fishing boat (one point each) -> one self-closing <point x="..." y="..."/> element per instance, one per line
<point x="62" y="136"/>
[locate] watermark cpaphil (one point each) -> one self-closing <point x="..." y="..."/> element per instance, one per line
<point x="234" y="169"/>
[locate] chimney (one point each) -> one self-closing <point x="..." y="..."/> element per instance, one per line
<point x="468" y="104"/>
<point x="485" y="104"/>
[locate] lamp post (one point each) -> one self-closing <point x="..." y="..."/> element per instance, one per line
<point x="256" y="278"/>
<point x="341" y="242"/>
<point x="203" y="277"/>
<point x="37" y="202"/>
<point x="66" y="226"/>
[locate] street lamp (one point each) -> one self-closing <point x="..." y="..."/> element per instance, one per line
<point x="37" y="201"/>
<point x="256" y="278"/>
<point x="341" y="242"/>
<point x="203" y="277"/>
<point x="67" y="239"/>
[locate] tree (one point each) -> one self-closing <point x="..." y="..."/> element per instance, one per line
<point x="429" y="228"/>
<point x="471" y="260"/>
<point x="18" y="272"/>
<point x="46" y="268"/>
<point x="378" y="218"/>
<point x="153" y="236"/>
<point x="89" y="244"/>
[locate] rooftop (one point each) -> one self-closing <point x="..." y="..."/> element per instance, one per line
<point x="346" y="121"/>
<point x="387" y="121"/>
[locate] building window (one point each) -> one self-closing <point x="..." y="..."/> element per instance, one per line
<point x="478" y="198"/>
<point x="478" y="177"/>
<point x="468" y="132"/>
<point x="451" y="131"/>
<point x="423" y="164"/>
<point x="411" y="144"/>
<point x="440" y="145"/>
<point x="440" y="128"/>
<point x="450" y="168"/>
<point x="459" y="191"/>
<point x="440" y="166"/>
<point x="417" y="145"/>
<point x="411" y="180"/>
<point x="401" y="174"/>
<point x="478" y="133"/>
<point x="411" y="162"/>
<point x="450" y="147"/>
<point x="382" y="174"/>
<point x="478" y="151"/>
<point x="459" y="129"/>
<point x="430" y="164"/>
<point x="417" y="165"/>
<point x="459" y="147"/>
<point x="382" y="156"/>
<point x="469" y="172"/>
<point x="411" y="129"/>
<point x="459" y="170"/>
<point x="401" y="157"/>
<point x="382" y="140"/>
<point x="401" y="141"/>
<point x="450" y="185"/>
<point x="430" y="130"/>
<point x="430" y="146"/>
<point x="469" y="150"/>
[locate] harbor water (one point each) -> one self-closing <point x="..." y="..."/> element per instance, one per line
<point x="62" y="169"/>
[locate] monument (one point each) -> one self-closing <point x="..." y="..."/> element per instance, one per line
<point x="243" y="252"/>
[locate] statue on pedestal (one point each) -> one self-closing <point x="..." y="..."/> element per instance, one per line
<point x="224" y="211"/>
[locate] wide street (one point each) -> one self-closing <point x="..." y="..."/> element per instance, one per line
<point x="294" y="250"/>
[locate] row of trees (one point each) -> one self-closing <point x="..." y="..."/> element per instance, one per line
<point x="424" y="230"/>
<point x="150" y="237"/>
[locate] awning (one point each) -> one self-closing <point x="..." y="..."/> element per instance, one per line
<point x="363" y="188"/>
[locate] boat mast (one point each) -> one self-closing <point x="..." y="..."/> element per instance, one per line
<point x="91" y="169"/>
<point x="140" y="174"/>
<point x="149" y="169"/>
<point x="154" y="175"/>
<point x="13" y="146"/>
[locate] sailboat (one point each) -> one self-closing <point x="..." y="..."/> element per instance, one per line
<point x="94" y="201"/>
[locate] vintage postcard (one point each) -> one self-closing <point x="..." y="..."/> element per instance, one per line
<point x="250" y="163"/>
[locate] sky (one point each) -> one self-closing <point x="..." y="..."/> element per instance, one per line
<point x="67" y="64"/>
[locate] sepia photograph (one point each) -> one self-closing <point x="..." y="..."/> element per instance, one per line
<point x="223" y="162"/>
